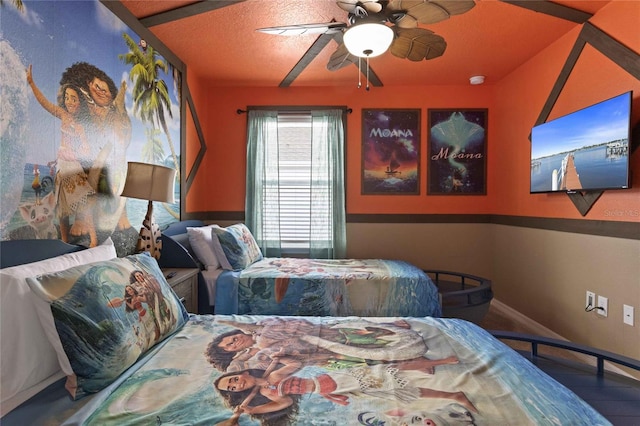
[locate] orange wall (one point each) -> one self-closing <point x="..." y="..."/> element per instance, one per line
<point x="513" y="103"/>
<point x="520" y="99"/>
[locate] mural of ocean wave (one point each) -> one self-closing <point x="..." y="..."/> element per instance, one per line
<point x="13" y="104"/>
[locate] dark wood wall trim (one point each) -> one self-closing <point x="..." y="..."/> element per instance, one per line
<point x="418" y="218"/>
<point x="203" y="145"/>
<point x="604" y="228"/>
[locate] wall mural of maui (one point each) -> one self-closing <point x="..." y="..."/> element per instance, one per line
<point x="82" y="95"/>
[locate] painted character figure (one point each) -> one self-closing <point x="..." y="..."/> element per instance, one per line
<point x="281" y="389"/>
<point x="162" y="314"/>
<point x="345" y="345"/>
<point x="35" y="184"/>
<point x="73" y="186"/>
<point x="133" y="301"/>
<point x="39" y="216"/>
<point x="452" y="414"/>
<point x="398" y="335"/>
<point x="108" y="132"/>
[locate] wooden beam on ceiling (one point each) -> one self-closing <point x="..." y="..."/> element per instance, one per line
<point x="186" y="11"/>
<point x="317" y="46"/>
<point x="553" y="9"/>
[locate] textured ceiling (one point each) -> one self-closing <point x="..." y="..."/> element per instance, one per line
<point x="492" y="39"/>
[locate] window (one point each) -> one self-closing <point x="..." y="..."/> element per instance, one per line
<point x="295" y="182"/>
<point x="291" y="191"/>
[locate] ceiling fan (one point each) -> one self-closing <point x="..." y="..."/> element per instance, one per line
<point x="403" y="37"/>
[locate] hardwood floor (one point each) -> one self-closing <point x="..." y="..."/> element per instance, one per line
<point x="613" y="395"/>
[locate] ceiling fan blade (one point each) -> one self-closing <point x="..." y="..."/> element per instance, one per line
<point x="406" y="21"/>
<point x="304" y="29"/>
<point x="341" y="58"/>
<point x="417" y="44"/>
<point x="431" y="11"/>
<point x="351" y="6"/>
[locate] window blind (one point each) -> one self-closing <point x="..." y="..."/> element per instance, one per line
<point x="289" y="192"/>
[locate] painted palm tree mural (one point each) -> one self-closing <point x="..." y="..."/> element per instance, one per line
<point x="153" y="149"/>
<point x="150" y="93"/>
<point x="76" y="109"/>
<point x="151" y="101"/>
<point x="17" y="3"/>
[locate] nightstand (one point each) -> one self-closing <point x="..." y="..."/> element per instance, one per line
<point x="185" y="284"/>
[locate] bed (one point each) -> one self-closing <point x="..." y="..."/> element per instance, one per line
<point x="239" y="280"/>
<point x="109" y="365"/>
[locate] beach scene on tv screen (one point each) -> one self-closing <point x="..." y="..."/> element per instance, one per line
<point x="587" y="149"/>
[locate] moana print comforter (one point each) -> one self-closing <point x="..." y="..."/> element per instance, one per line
<point x="328" y="287"/>
<point x="267" y="370"/>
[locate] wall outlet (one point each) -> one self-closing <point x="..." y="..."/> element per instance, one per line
<point x="590" y="301"/>
<point x="603" y="305"/>
<point x="627" y="314"/>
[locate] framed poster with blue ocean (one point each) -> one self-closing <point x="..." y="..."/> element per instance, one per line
<point x="391" y="151"/>
<point x="457" y="152"/>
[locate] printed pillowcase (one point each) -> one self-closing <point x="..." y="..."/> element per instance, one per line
<point x="28" y="365"/>
<point x="102" y="317"/>
<point x="237" y="246"/>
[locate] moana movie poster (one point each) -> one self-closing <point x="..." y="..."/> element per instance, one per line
<point x="391" y="151"/>
<point x="456" y="154"/>
<point x="82" y="95"/>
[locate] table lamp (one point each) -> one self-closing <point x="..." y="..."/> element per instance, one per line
<point x="154" y="183"/>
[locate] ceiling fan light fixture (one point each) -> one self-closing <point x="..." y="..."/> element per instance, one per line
<point x="368" y="39"/>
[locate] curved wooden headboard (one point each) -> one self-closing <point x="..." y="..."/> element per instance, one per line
<point x="19" y="252"/>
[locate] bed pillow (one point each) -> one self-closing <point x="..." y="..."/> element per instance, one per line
<point x="201" y="241"/>
<point x="102" y="317"/>
<point x="29" y="364"/>
<point x="238" y="246"/>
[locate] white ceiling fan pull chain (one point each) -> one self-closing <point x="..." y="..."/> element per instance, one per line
<point x="359" y="74"/>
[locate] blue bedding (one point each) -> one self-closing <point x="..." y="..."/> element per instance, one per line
<point x="334" y="371"/>
<point x="333" y="287"/>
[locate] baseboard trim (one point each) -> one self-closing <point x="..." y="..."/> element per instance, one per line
<point x="535" y="328"/>
<point x="532" y="326"/>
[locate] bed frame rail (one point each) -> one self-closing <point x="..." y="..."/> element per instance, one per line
<point x="600" y="355"/>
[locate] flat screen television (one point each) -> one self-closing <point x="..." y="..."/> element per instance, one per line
<point x="584" y="150"/>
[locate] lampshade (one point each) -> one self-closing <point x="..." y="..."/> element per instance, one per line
<point x="149" y="182"/>
<point x="368" y="39"/>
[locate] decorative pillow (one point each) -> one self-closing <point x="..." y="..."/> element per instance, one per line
<point x="238" y="246"/>
<point x="102" y="317"/>
<point x="201" y="241"/>
<point x="28" y="362"/>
